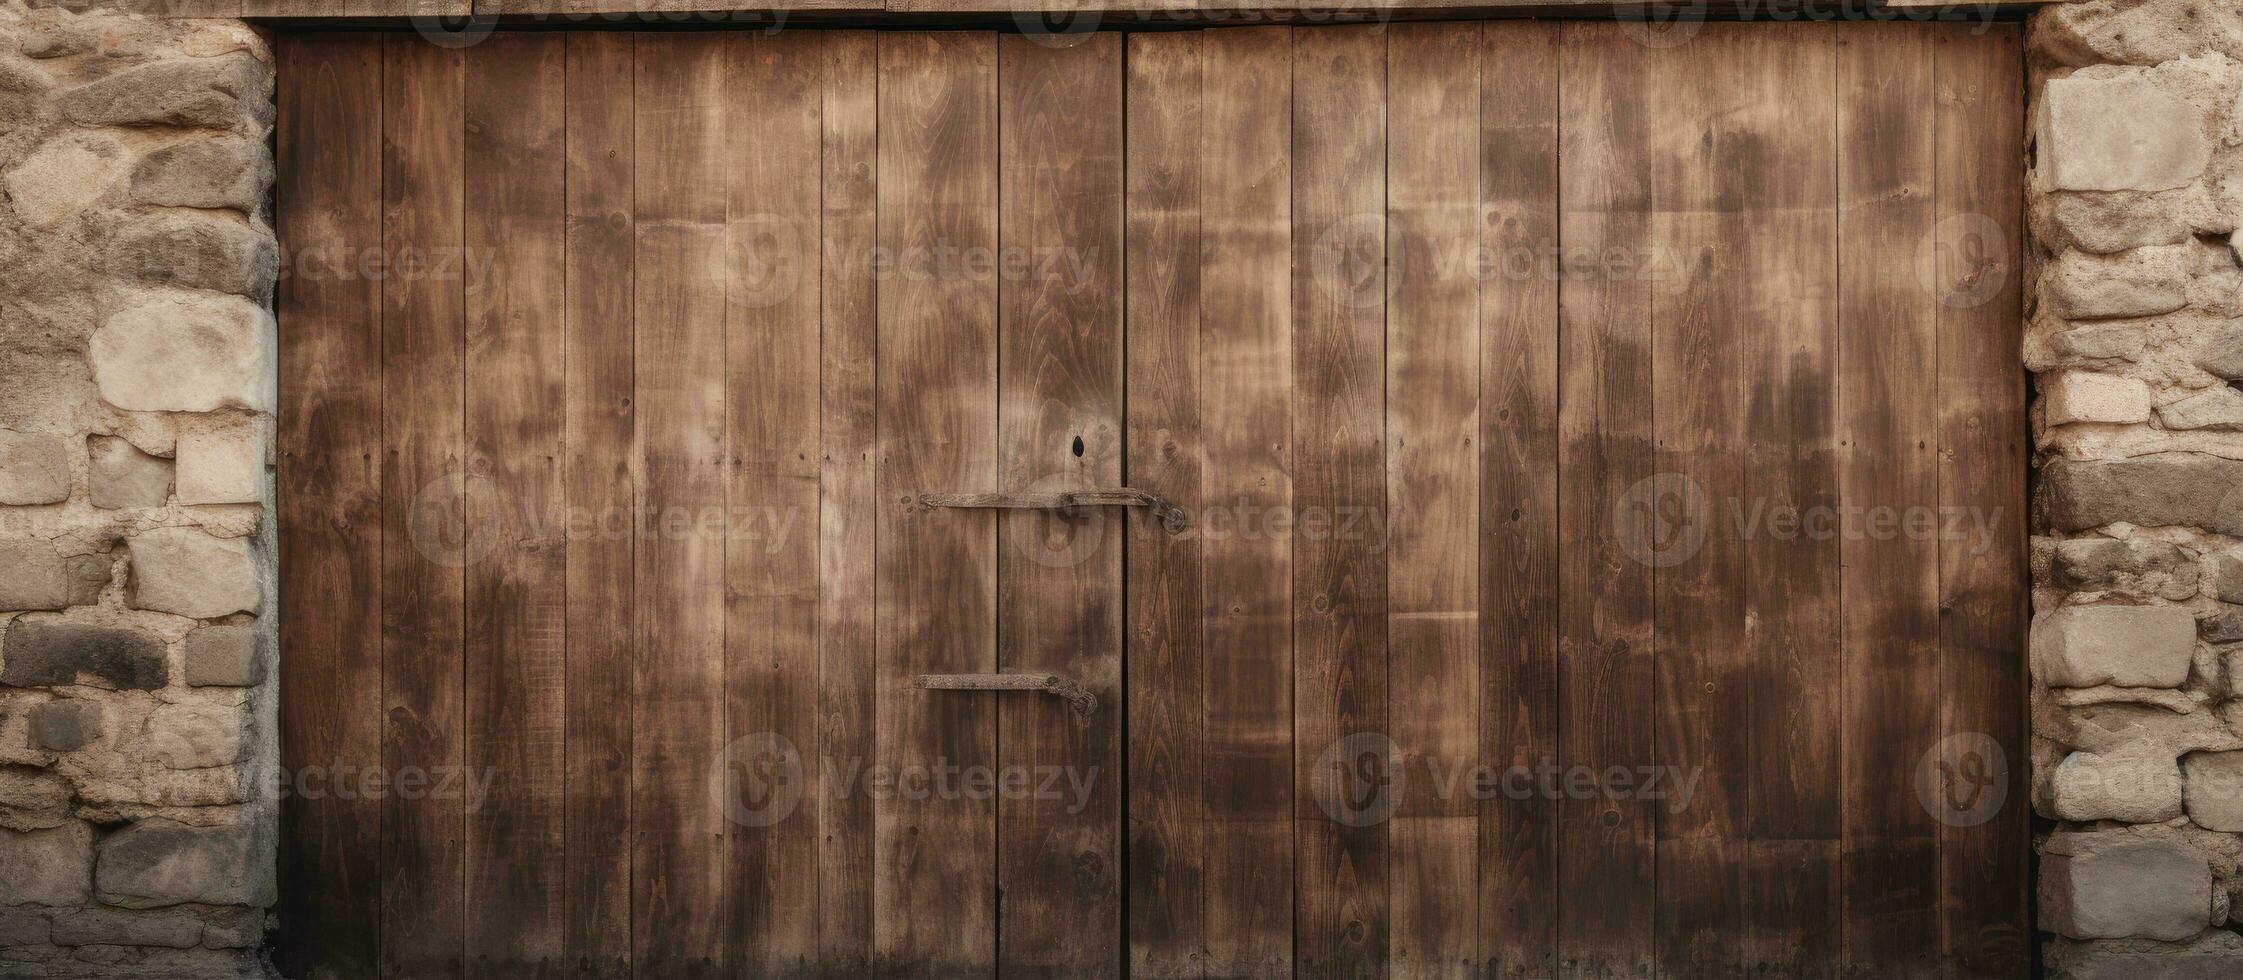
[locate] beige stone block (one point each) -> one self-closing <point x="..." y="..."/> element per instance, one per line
<point x="2086" y="396"/>
<point x="2117" y="134"/>
<point x="194" y="354"/>
<point x="221" y="460"/>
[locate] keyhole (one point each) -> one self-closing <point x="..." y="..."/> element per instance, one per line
<point x="1078" y="447"/>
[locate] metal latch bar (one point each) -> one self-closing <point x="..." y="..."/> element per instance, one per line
<point x="1078" y="696"/>
<point x="1172" y="518"/>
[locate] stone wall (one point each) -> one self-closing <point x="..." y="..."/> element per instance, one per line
<point x="2135" y="338"/>
<point x="136" y="587"/>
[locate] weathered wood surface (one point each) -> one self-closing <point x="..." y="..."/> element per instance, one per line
<point x="682" y="503"/>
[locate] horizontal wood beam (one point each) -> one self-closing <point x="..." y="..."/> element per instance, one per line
<point x="1083" y="15"/>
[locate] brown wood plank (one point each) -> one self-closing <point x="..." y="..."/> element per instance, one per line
<point x="1983" y="582"/>
<point x="1339" y="469"/>
<point x="600" y="465"/>
<point x="517" y="621"/>
<point x="328" y="199"/>
<point x="1433" y="346"/>
<point x="1167" y="833"/>
<point x="679" y="875"/>
<point x="1605" y="891"/>
<point x="847" y="414"/>
<point x="1246" y="359"/>
<point x="1888" y="424"/>
<point x="774" y="160"/>
<point x="1059" y="427"/>
<point x="1518" y="548"/>
<point x="935" y="873"/>
<point x="426" y="531"/>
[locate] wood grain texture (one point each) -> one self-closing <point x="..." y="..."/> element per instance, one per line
<point x="517" y="622"/>
<point x="1059" y="426"/>
<point x="600" y="467"/>
<point x="678" y="868"/>
<point x="1976" y="276"/>
<point x="1246" y="356"/>
<point x="1518" y="546"/>
<point x="849" y="349"/>
<point x="1433" y="437"/>
<point x="428" y="529"/>
<point x="935" y="866"/>
<point x="328" y="205"/>
<point x="1167" y="659"/>
<point x="1889" y="420"/>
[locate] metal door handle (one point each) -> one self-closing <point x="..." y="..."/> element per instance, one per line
<point x="1173" y="519"/>
<point x="1078" y="696"/>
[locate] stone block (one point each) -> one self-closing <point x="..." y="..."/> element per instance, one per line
<point x="234" y="929"/>
<point x="198" y="252"/>
<point x="2213" y="956"/>
<point x="195" y="354"/>
<point x="65" y="176"/>
<point x="2127" y="646"/>
<point x="2214" y="791"/>
<point x="52" y="654"/>
<point x="34" y="468"/>
<point x="2097" y="343"/>
<point x="215" y="173"/>
<point x="226" y="656"/>
<point x="221" y="91"/>
<point x="158" y="862"/>
<point x="222" y="460"/>
<point x="46" y="867"/>
<point x="2085" y="396"/>
<point x="2225" y="626"/>
<point x="33" y="576"/>
<point x="2212" y="408"/>
<point x="2132" y="785"/>
<point x="65" y="726"/>
<point x="24" y="927"/>
<point x="2158" y="490"/>
<point x="197" y="735"/>
<point x="2138" y="282"/>
<point x="2220" y="354"/>
<point x="123" y="476"/>
<point x="32" y="799"/>
<point x="2115" y="885"/>
<point x="2120" y="133"/>
<point x="2226" y="582"/>
<point x="186" y="572"/>
<point x="112" y="927"/>
<point x="2136" y="565"/>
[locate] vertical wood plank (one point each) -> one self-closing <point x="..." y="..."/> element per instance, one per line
<point x="1338" y="418"/>
<point x="1518" y="547"/>
<point x="1888" y="421"/>
<point x="1059" y="426"/>
<point x="1429" y="534"/>
<point x="329" y="202"/>
<point x="848" y="685"/>
<point x="935" y="876"/>
<point x="600" y="480"/>
<point x="1166" y="456"/>
<point x="1246" y="358"/>
<point x="679" y="875"/>
<point x="427" y="532"/>
<point x="516" y="647"/>
<point x="1983" y="583"/>
<point x="1605" y="891"/>
<point x="774" y="162"/>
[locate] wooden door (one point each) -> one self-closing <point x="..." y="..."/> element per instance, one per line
<point x="1504" y="372"/>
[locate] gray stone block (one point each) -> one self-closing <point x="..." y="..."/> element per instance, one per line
<point x="218" y="173"/>
<point x="24" y="927"/>
<point x="65" y="726"/>
<point x="221" y="91"/>
<point x="123" y="476"/>
<point x="2127" y="646"/>
<point x="2214" y="791"/>
<point x="46" y="867"/>
<point x="2225" y="626"/>
<point x="112" y="927"/>
<point x="2098" y="343"/>
<point x="2139" y="282"/>
<point x="2221" y="353"/>
<point x="199" y="253"/>
<point x="158" y="862"/>
<point x="197" y="735"/>
<point x="2139" y="565"/>
<point x="32" y="799"/>
<point x="2215" y="955"/>
<point x="51" y="654"/>
<point x="34" y="468"/>
<point x="2227" y="578"/>
<point x="2112" y="885"/>
<point x="34" y="577"/>
<point x="226" y="656"/>
<point x="2163" y="489"/>
<point x="2134" y="785"/>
